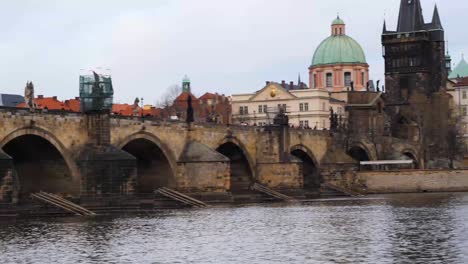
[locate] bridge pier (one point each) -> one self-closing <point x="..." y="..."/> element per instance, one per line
<point x="105" y="170"/>
<point x="8" y="180"/>
<point x="202" y="170"/>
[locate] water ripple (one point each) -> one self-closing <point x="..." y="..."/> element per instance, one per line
<point x="428" y="228"/>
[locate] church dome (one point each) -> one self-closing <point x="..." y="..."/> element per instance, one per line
<point x="460" y="71"/>
<point x="339" y="48"/>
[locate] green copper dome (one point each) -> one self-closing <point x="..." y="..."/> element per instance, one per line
<point x="338" y="21"/>
<point x="460" y="71"/>
<point x="338" y="49"/>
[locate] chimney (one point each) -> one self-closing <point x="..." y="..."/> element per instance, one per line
<point x="291" y="85"/>
<point x="54" y="97"/>
<point x="283" y="83"/>
<point x="267" y="82"/>
<point x="77" y="98"/>
<point x="40" y="96"/>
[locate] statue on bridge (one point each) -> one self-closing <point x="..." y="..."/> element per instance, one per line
<point x="29" y="96"/>
<point x="136" y="105"/>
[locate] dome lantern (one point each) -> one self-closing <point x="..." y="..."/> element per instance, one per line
<point x="338" y="27"/>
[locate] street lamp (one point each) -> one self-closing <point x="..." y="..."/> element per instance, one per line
<point x="142" y="108"/>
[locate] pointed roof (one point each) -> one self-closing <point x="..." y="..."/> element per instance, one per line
<point x="384" y="30"/>
<point x="183" y="97"/>
<point x="197" y="152"/>
<point x="410" y="18"/>
<point x="436" y="24"/>
<point x="461" y="70"/>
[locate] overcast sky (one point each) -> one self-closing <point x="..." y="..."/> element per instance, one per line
<point x="223" y="46"/>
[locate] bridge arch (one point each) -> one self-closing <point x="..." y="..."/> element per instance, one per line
<point x="42" y="162"/>
<point x="310" y="166"/>
<point x="156" y="163"/>
<point x="242" y="174"/>
<point x="360" y="152"/>
<point x="411" y="154"/>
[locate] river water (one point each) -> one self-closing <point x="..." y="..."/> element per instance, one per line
<point x="415" y="228"/>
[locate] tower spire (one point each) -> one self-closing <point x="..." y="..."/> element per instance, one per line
<point x="436" y="24"/>
<point x="410" y="18"/>
<point x="384" y="27"/>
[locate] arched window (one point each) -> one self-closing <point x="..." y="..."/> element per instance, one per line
<point x="315" y="81"/>
<point x="329" y="79"/>
<point x="347" y="79"/>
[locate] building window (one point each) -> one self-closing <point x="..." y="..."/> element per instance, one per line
<point x="306" y="107"/>
<point x="260" y="109"/>
<point x="465" y="110"/>
<point x="323" y="124"/>
<point x="315" y="81"/>
<point x="347" y="79"/>
<point x="306" y="123"/>
<point x="363" y="81"/>
<point x="329" y="79"/>
<point x="243" y="110"/>
<point x="265" y="109"/>
<point x="324" y="107"/>
<point x="464" y="95"/>
<point x="339" y="110"/>
<point x="301" y="107"/>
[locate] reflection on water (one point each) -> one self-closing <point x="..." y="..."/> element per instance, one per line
<point x="423" y="228"/>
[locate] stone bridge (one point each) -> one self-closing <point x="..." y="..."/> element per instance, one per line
<point x="49" y="151"/>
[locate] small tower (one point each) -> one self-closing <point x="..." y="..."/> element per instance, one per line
<point x="448" y="61"/>
<point x="338" y="27"/>
<point x="186" y="85"/>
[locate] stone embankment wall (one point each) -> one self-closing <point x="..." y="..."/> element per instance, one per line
<point x="414" y="181"/>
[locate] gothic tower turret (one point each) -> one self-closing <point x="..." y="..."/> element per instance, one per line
<point x="415" y="78"/>
<point x="414" y="53"/>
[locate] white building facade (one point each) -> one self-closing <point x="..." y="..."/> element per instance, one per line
<point x="306" y="108"/>
<point x="459" y="92"/>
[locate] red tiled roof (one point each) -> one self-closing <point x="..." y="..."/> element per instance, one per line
<point x="462" y="82"/>
<point x="50" y="103"/>
<point x="209" y="96"/>
<point x="184" y="97"/>
<point x="73" y="104"/>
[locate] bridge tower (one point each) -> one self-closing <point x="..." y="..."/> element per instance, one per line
<point x="415" y="77"/>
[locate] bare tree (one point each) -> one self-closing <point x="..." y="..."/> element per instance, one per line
<point x="455" y="140"/>
<point x="167" y="99"/>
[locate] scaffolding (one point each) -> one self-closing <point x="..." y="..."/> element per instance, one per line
<point x="96" y="92"/>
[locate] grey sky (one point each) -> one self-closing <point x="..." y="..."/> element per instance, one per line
<point x="224" y="46"/>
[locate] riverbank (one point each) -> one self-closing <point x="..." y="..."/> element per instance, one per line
<point x="412" y="181"/>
